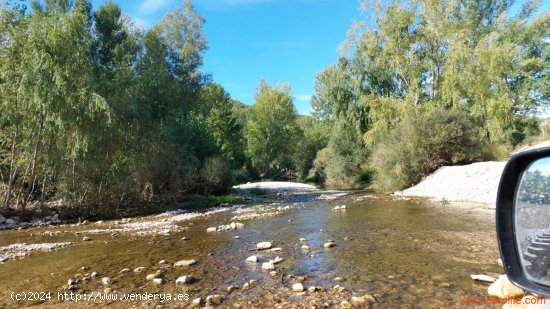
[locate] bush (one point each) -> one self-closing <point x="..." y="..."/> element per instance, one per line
<point x="422" y="143"/>
<point x="344" y="156"/>
<point x="216" y="176"/>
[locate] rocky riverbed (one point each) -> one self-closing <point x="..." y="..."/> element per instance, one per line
<point x="303" y="248"/>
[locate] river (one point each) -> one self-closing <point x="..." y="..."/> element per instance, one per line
<point x="404" y="253"/>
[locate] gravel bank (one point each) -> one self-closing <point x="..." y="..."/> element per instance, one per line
<point x="477" y="182"/>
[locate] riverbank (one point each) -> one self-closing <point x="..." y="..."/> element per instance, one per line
<point x="327" y="249"/>
<point x="472" y="183"/>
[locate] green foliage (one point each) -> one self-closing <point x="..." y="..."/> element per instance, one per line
<point x="97" y="112"/>
<point x="345" y="155"/>
<point x="426" y="56"/>
<point x="272" y="132"/>
<point x="421" y="144"/>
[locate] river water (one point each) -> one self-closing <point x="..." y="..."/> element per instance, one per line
<point x="405" y="253"/>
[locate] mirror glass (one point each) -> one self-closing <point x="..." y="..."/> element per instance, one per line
<point x="532" y="221"/>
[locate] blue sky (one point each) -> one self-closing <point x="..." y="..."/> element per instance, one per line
<point x="276" y="40"/>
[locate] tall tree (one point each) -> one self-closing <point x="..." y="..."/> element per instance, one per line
<point x="272" y="131"/>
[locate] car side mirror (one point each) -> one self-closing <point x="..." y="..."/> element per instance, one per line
<point x="523" y="220"/>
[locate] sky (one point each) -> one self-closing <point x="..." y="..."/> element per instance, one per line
<point x="286" y="41"/>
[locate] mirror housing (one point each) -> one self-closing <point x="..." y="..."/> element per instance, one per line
<point x="506" y="220"/>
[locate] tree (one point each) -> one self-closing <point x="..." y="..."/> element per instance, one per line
<point x="272" y="131"/>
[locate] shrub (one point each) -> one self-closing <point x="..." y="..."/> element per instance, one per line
<point x="215" y="175"/>
<point x="422" y="143"/>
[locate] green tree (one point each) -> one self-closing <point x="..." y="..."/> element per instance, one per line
<point x="272" y="131"/>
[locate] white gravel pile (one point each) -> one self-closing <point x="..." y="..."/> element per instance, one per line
<point x="477" y="182"/>
<point x="278" y="186"/>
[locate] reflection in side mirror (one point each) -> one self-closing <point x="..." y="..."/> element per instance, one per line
<point x="532" y="221"/>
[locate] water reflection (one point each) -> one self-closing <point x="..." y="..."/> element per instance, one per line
<point x="532" y="220"/>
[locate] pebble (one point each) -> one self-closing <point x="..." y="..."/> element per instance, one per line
<point x="312" y="289"/>
<point x="185" y="279"/>
<point x="152" y="276"/>
<point x="305" y="247"/>
<point x="263" y="245"/>
<point x="297" y="287"/>
<point x="185" y="263"/>
<point x="214" y="299"/>
<point x="277" y="260"/>
<point x="211" y="230"/>
<point x="252" y="259"/>
<point x="503" y="288"/>
<point x="362" y="300"/>
<point x="124" y="270"/>
<point x="329" y="244"/>
<point x="94" y="274"/>
<point x="185" y="238"/>
<point x="302" y="239"/>
<point x="158" y="281"/>
<point x="105" y="280"/>
<point x="268" y="266"/>
<point x="232" y="288"/>
<point x="338" y="279"/>
<point x="237" y="237"/>
<point x="246" y="285"/>
<point x="338" y="288"/>
<point x="163" y="262"/>
<point x="139" y="269"/>
<point x="278" y="249"/>
<point x="86" y="238"/>
<point x="345" y="304"/>
<point x="273" y="273"/>
<point x="197" y="302"/>
<point x="71" y="282"/>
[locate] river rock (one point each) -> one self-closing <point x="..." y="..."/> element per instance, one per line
<point x="345" y="304"/>
<point x="71" y="282"/>
<point x="163" y="262"/>
<point x="197" y="302"/>
<point x="232" y="288"/>
<point x="252" y="259"/>
<point x="305" y="247"/>
<point x="268" y="266"/>
<point x="211" y="230"/>
<point x="185" y="263"/>
<point x="214" y="299"/>
<point x="362" y="300"/>
<point x="338" y="279"/>
<point x="94" y="274"/>
<point x="483" y="278"/>
<point x="158" y="281"/>
<point x="312" y="289"/>
<point x="277" y="249"/>
<point x="338" y="288"/>
<point x="185" y="279"/>
<point x="86" y="238"/>
<point x="139" y="269"/>
<point x="329" y="244"/>
<point x="302" y="239"/>
<point x="277" y="260"/>
<point x="152" y="276"/>
<point x="105" y="280"/>
<point x="263" y="245"/>
<point x="503" y="288"/>
<point x="297" y="287"/>
<point x="246" y="285"/>
<point x="2" y="219"/>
